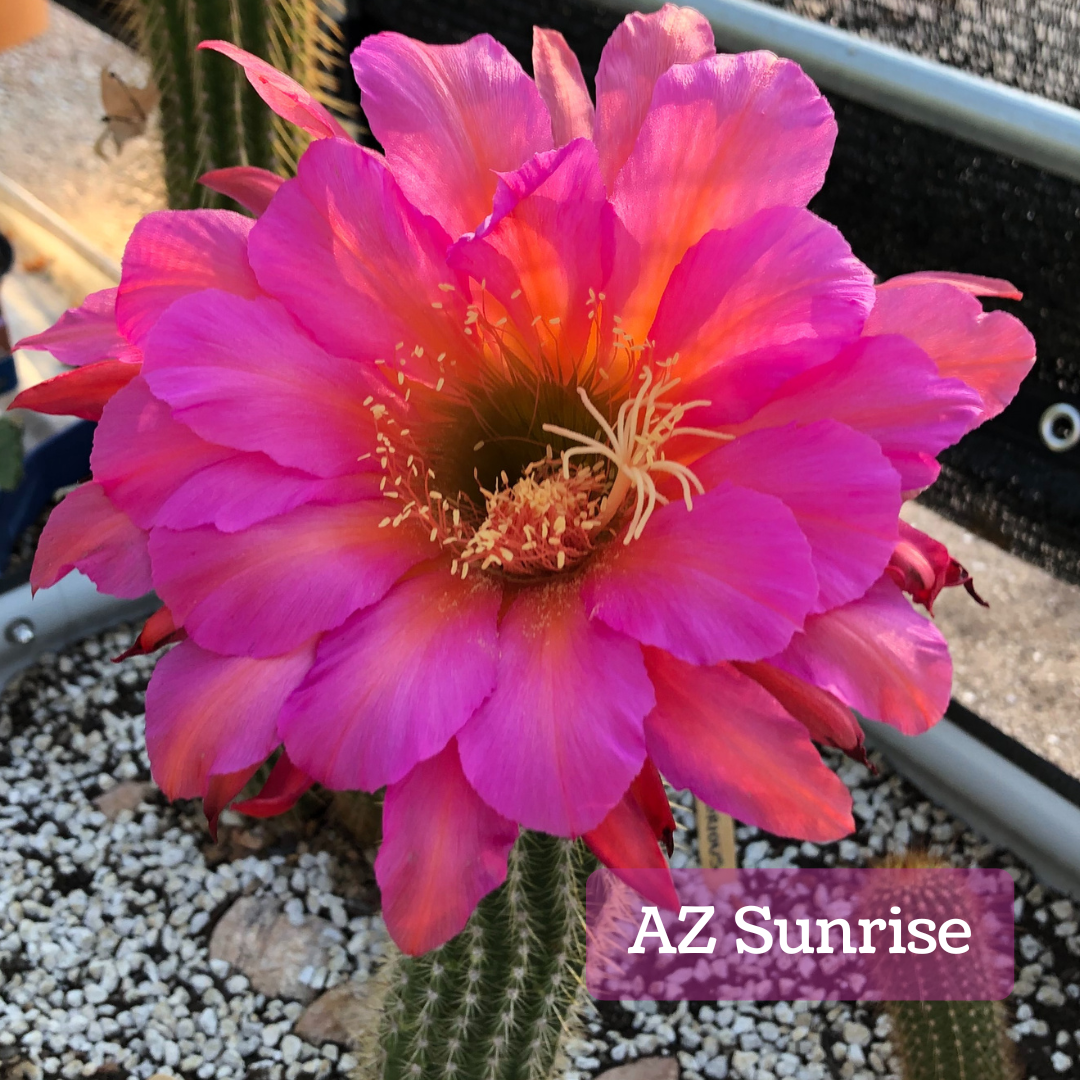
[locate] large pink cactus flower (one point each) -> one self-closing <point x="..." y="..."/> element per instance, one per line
<point x="556" y="449"/>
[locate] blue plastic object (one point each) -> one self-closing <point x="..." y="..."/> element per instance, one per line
<point x="8" y="377"/>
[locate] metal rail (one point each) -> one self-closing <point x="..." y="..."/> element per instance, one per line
<point x="978" y="110"/>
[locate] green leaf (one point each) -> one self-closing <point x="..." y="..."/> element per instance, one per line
<point x="11" y="454"/>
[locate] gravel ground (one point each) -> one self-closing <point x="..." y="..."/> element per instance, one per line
<point x="106" y="925"/>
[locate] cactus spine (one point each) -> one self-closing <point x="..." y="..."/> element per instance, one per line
<point x="492" y="1003"/>
<point x="210" y="117"/>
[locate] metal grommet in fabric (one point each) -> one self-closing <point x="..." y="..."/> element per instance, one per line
<point x="1059" y="427"/>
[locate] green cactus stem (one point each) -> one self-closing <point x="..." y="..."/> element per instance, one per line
<point x="493" y="1003"/>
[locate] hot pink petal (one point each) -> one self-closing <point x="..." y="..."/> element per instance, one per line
<point x="562" y="86"/>
<point x="86" y="334"/>
<point x="726" y="581"/>
<point x="394" y="684"/>
<point x="879" y="656"/>
<point x="718" y="733"/>
<point x="558" y="742"/>
<point x="827" y="719"/>
<point x="724" y="138"/>
<point x="443" y="851"/>
<point x="240" y="373"/>
<point x="284" y="95"/>
<point x="971" y="283"/>
<point x="888" y="388"/>
<point x="356" y="263"/>
<point x="546" y="246"/>
<point x="991" y="351"/>
<point x="210" y="715"/>
<point x="83" y="392"/>
<point x="266" y="589"/>
<point x="781" y="277"/>
<point x="86" y="532"/>
<point x="283" y="787"/>
<point x="640" y="50"/>
<point x="250" y="186"/>
<point x="842" y="490"/>
<point x="172" y="253"/>
<point x="449" y="118"/>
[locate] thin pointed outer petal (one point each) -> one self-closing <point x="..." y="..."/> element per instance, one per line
<point x="560" y="739"/>
<point x="83" y="392"/>
<point x="879" y="656"/>
<point x="725" y="581"/>
<point x="828" y="720"/>
<point x="444" y="849"/>
<point x="356" y="263"/>
<point x="724" y="138"/>
<point x="718" y="733"/>
<point x="157" y="632"/>
<point x="283" y="787"/>
<point x="264" y="590"/>
<point x="284" y="95"/>
<point x="562" y="86"/>
<point x="991" y="351"/>
<point x="624" y="841"/>
<point x="221" y="789"/>
<point x="250" y="186"/>
<point x="394" y="684"/>
<point x="640" y="50"/>
<point x="546" y="247"/>
<point x="649" y="793"/>
<point x="839" y="485"/>
<point x="970" y="283"/>
<point x="172" y="253"/>
<point x="210" y="715"/>
<point x="783" y="276"/>
<point x="240" y="373"/>
<point x="920" y="565"/>
<point x="86" y="334"/>
<point x="86" y="532"/>
<point x="888" y="388"/>
<point x="449" y="118"/>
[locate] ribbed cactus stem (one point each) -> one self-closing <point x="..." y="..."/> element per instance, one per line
<point x="492" y="1003"/>
<point x="952" y="1040"/>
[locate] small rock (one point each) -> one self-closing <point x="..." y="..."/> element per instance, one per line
<point x="1062" y="1062"/>
<point x="341" y="1015"/>
<point x="127" y="795"/>
<point x="650" y="1068"/>
<point x="856" y="1034"/>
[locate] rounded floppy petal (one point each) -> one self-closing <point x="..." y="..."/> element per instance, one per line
<point x="250" y="186"/>
<point x="284" y="95"/>
<point x="172" y="253"/>
<point x="449" y="118"/>
<point x="781" y="277"/>
<point x="546" y="247"/>
<point x="559" y="740"/>
<point x="210" y="715"/>
<point x="83" y="392"/>
<point x="827" y="719"/>
<point x="970" y="283"/>
<point x="724" y="138"/>
<point x="562" y="86"/>
<point x="991" y="351"/>
<point x="640" y="50"/>
<point x="283" y="787"/>
<point x="443" y="851"/>
<point x="718" y="733"/>
<point x="888" y="388"/>
<point x="355" y="262"/>
<point x="86" y="532"/>
<point x="86" y="334"/>
<point x="877" y="655"/>
<point x="731" y="579"/>
<point x="836" y="481"/>
<point x="241" y="374"/>
<point x="159" y="472"/>
<point x="394" y="684"/>
<point x="264" y="590"/>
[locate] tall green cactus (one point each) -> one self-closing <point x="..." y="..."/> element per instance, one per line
<point x="210" y="117"/>
<point x="492" y="1003"/>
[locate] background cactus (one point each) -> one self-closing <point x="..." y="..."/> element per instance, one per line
<point x="492" y="1003"/>
<point x="210" y="116"/>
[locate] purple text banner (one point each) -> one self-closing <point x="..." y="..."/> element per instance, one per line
<point x="794" y="934"/>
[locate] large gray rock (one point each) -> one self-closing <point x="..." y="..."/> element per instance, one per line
<point x="345" y="1014"/>
<point x="650" y="1068"/>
